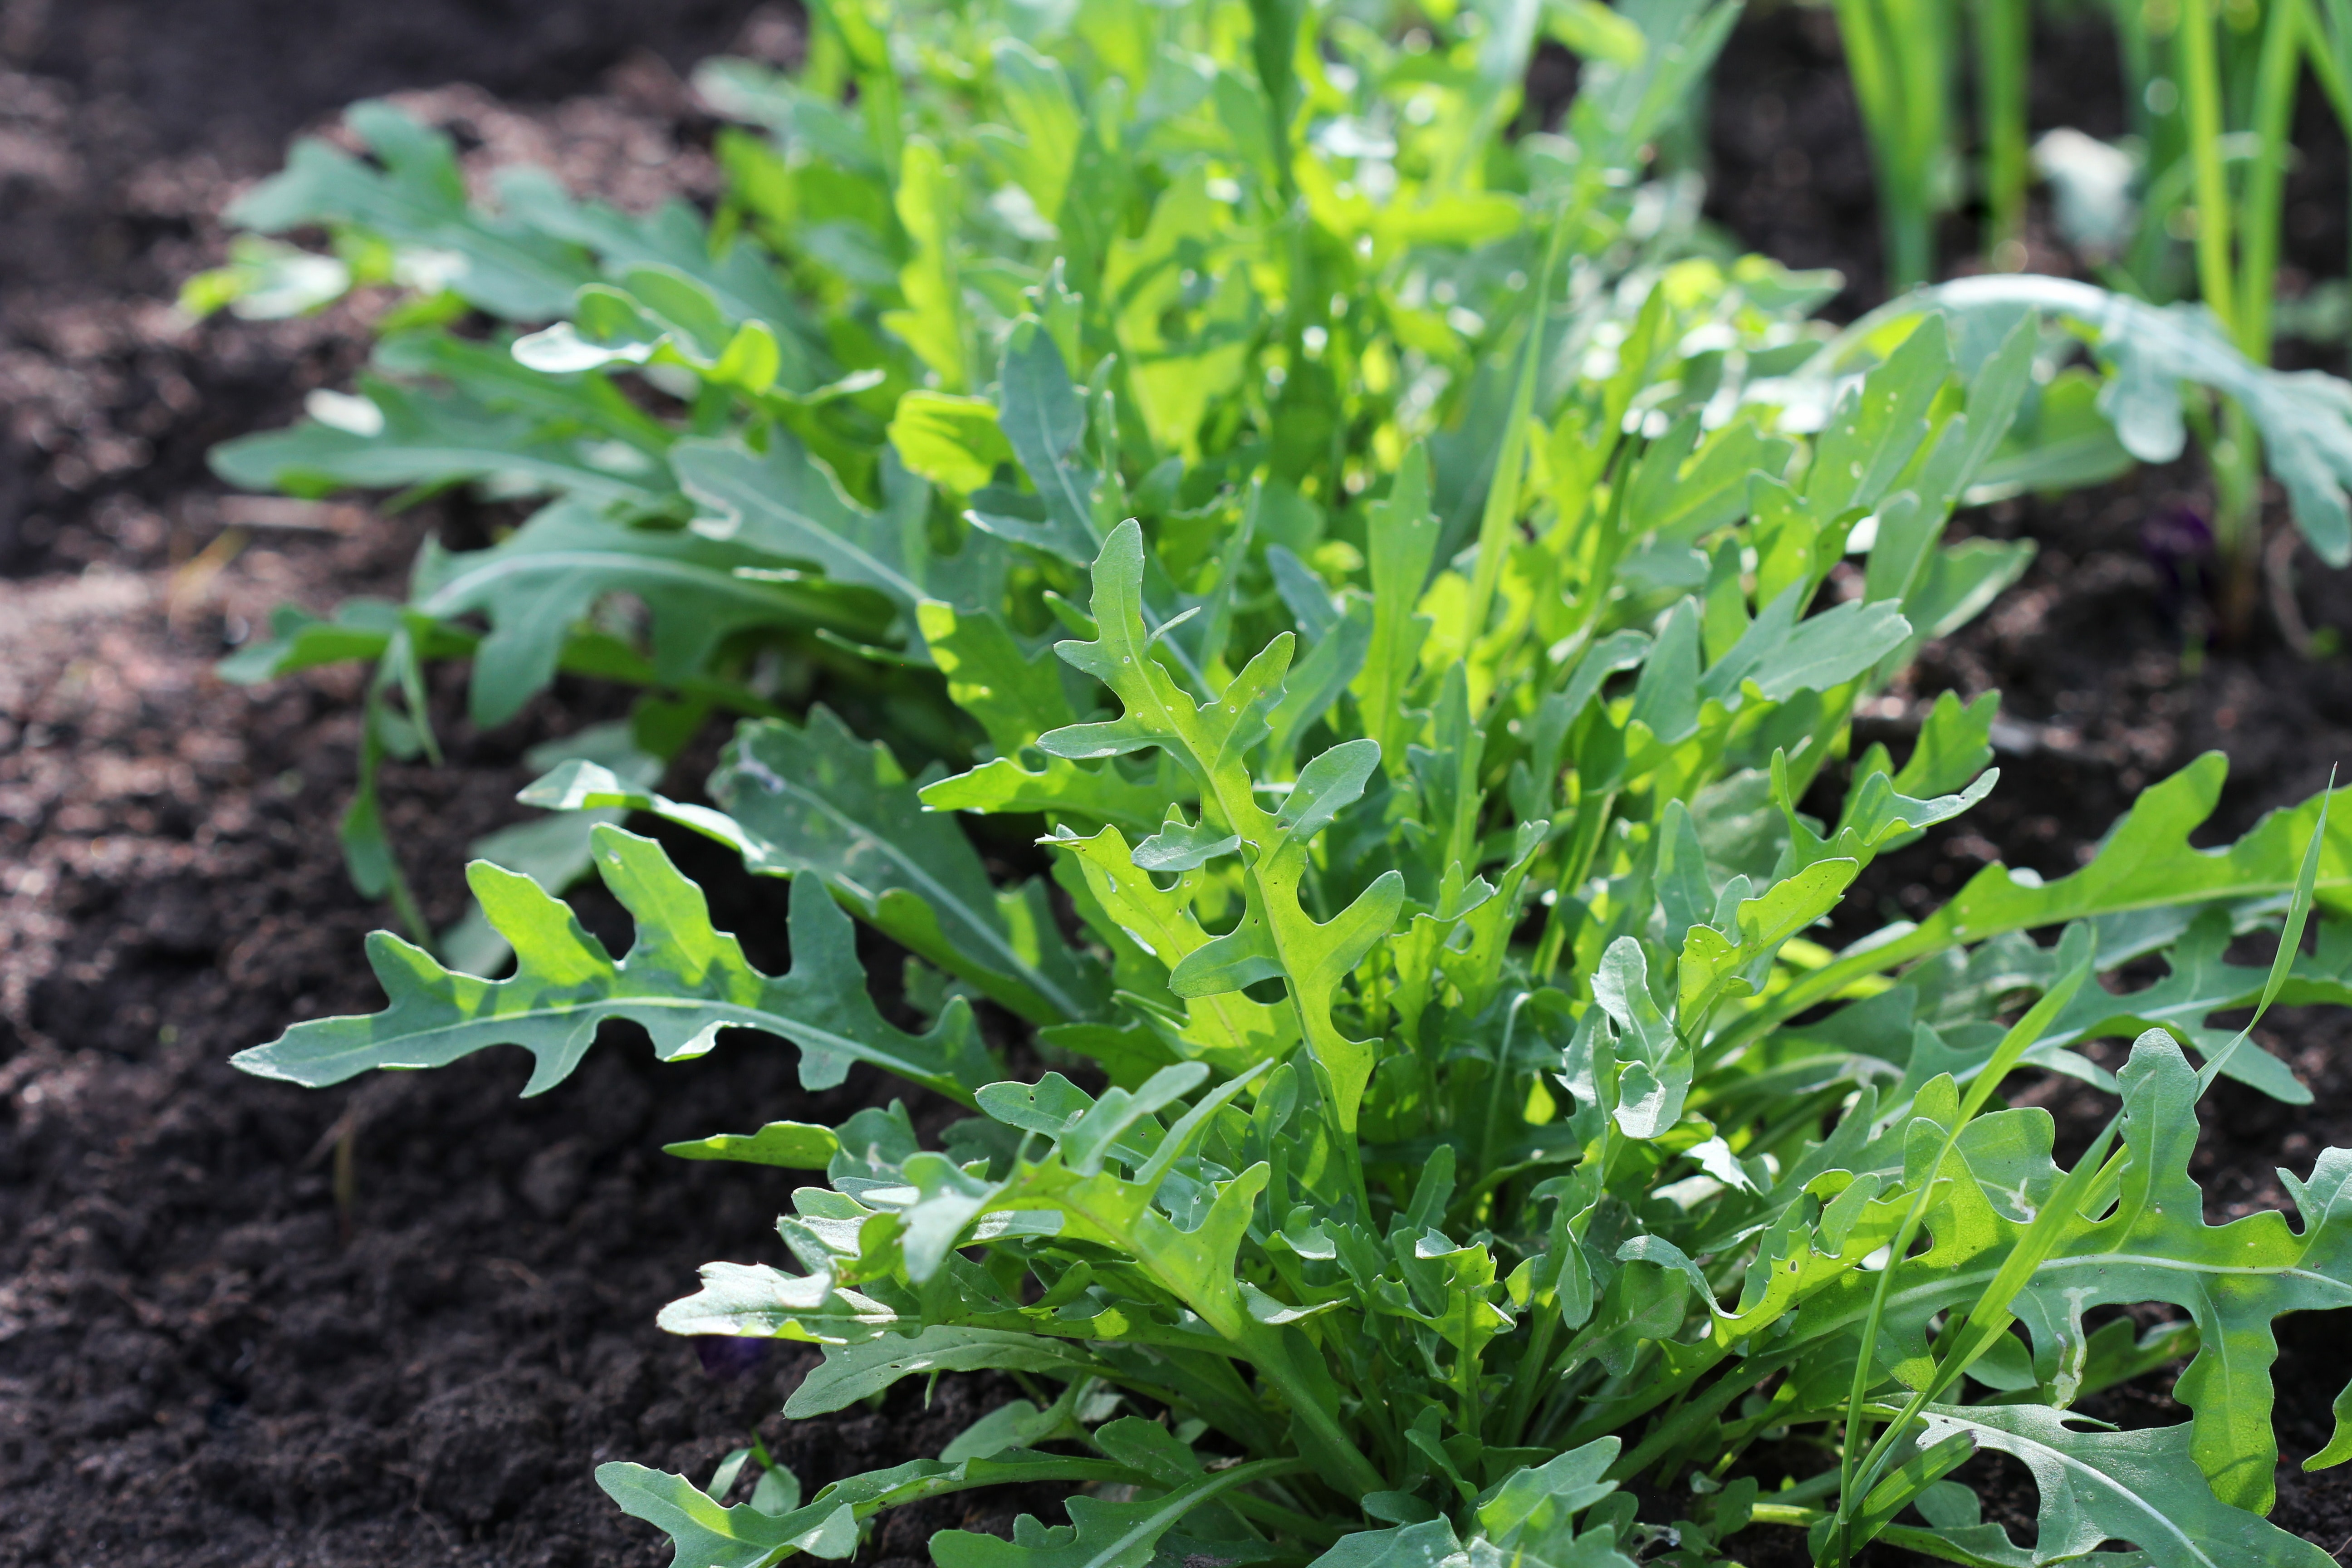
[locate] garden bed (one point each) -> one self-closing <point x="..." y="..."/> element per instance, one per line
<point x="217" y="1344"/>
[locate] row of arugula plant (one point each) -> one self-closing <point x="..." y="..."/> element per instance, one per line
<point x="1409" y="584"/>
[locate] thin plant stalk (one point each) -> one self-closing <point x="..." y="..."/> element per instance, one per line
<point x="2138" y="53"/>
<point x="2239" y="282"/>
<point x="2200" y="77"/>
<point x="2329" y="49"/>
<point x="2004" y="53"/>
<point x="2274" y="84"/>
<point x="2238" y="462"/>
<point x="1895" y="53"/>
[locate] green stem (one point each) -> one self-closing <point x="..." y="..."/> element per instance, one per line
<point x="2138" y="68"/>
<point x="1873" y="53"/>
<point x="2237" y="515"/>
<point x="1358" y="1475"/>
<point x="1672" y="1432"/>
<point x="1826" y="982"/>
<point x="2004" y="35"/>
<point x="2328" y="45"/>
<point x="1990" y="1316"/>
<point x="1910" y="1538"/>
<point x="1465" y="1369"/>
<point x="2242" y="299"/>
<point x="2201" y="90"/>
<point x="406" y="908"/>
<point x="1487" y="1158"/>
<point x="1531" y="1366"/>
<point x="2237" y="467"/>
<point x="1249" y="1505"/>
<point x="1575" y="866"/>
<point x="2266" y="182"/>
<point x="1857" y="1420"/>
<point x="2078" y="959"/>
<point x="1502" y="509"/>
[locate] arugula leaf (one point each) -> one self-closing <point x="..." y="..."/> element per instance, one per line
<point x="812" y="799"/>
<point x="536" y="585"/>
<point x="829" y="1525"/>
<point x="391" y="436"/>
<point x="1100" y="1534"/>
<point x="2138" y="1486"/>
<point x="682" y="983"/>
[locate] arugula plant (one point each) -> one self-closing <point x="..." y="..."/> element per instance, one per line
<point x="1454" y="1120"/>
<point x="1293" y="245"/>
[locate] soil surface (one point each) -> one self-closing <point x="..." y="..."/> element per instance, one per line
<point x="210" y="1355"/>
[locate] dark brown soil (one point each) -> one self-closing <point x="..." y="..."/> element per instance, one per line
<point x="204" y="1358"/>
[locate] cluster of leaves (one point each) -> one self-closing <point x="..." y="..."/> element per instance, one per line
<point x="1416" y="729"/>
<point x="1271" y="250"/>
<point x="1478" y="1131"/>
<point x="1290" y="250"/>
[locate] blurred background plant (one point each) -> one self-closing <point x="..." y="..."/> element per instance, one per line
<point x="2187" y="207"/>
